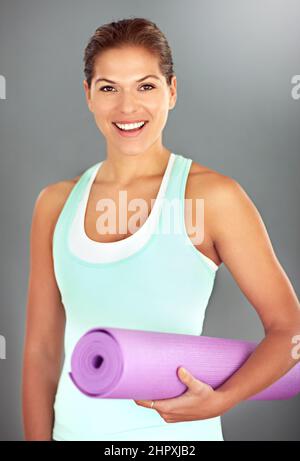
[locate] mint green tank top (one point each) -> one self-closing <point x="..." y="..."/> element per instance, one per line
<point x="153" y="280"/>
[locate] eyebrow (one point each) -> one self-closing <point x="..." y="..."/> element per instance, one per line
<point x="139" y="80"/>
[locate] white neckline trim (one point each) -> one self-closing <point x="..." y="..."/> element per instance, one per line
<point x="96" y="252"/>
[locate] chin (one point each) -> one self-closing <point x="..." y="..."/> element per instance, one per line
<point x="131" y="151"/>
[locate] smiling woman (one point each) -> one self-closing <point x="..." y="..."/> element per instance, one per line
<point x="84" y="277"/>
<point x="134" y="95"/>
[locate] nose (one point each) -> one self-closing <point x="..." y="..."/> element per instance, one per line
<point x="128" y="102"/>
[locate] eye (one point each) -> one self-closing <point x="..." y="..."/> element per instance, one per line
<point x="107" y="86"/>
<point x="147" y="84"/>
<point x="103" y="87"/>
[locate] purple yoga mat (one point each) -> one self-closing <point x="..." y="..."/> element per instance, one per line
<point x="136" y="364"/>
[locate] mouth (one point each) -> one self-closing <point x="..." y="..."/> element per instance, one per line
<point x="130" y="132"/>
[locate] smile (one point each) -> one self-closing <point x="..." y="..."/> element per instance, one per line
<point x="131" y="129"/>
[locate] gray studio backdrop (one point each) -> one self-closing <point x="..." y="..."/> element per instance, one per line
<point x="237" y="66"/>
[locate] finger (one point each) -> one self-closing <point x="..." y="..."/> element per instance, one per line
<point x="190" y="381"/>
<point x="186" y="377"/>
<point x="159" y="405"/>
<point x="144" y="403"/>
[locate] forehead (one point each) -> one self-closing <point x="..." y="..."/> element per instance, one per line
<point x="126" y="61"/>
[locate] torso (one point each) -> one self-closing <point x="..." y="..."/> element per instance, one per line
<point x="199" y="182"/>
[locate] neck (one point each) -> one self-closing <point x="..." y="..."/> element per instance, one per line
<point x="123" y="169"/>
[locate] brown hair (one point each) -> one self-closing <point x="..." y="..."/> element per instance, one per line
<point x="133" y="31"/>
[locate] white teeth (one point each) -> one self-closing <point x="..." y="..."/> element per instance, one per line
<point x="130" y="126"/>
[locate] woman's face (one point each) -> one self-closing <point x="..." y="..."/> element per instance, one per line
<point x="127" y="100"/>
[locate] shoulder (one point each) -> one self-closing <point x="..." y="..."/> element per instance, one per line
<point x="224" y="197"/>
<point x="214" y="181"/>
<point x="211" y="184"/>
<point x="51" y="199"/>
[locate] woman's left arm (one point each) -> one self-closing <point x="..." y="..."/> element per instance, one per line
<point x="241" y="239"/>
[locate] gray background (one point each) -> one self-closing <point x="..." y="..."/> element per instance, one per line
<point x="234" y="61"/>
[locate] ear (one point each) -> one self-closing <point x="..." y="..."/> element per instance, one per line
<point x="88" y="95"/>
<point x="173" y="93"/>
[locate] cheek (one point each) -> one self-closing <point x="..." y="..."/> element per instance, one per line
<point x="158" y="100"/>
<point x="159" y="106"/>
<point x="159" y="110"/>
<point x="102" y="114"/>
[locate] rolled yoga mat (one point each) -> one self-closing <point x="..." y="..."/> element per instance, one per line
<point x="137" y="364"/>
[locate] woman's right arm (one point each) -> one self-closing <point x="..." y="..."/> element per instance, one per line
<point x="45" y="320"/>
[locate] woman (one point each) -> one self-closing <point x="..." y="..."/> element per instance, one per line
<point x="137" y="276"/>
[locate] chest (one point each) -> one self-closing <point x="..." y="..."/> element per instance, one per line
<point x="114" y="214"/>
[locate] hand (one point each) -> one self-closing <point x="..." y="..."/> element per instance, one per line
<point x="200" y="401"/>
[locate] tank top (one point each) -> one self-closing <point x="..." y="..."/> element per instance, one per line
<point x="153" y="280"/>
